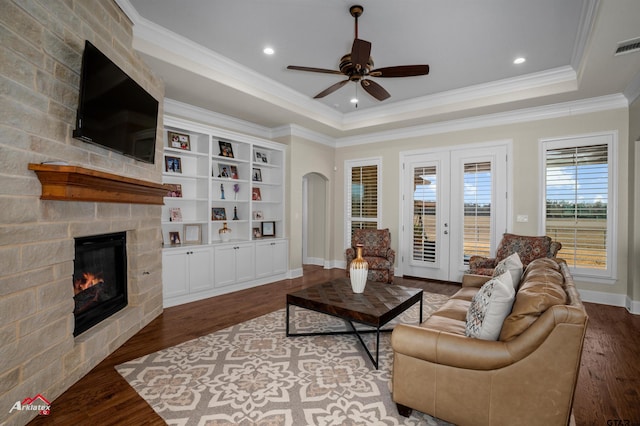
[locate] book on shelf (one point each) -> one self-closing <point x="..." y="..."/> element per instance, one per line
<point x="175" y="214"/>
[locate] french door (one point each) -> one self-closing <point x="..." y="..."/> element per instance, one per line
<point x="454" y="205"/>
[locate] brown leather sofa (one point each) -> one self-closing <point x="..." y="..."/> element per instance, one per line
<point x="528" y="376"/>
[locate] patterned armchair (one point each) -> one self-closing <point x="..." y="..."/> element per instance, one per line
<point x="528" y="248"/>
<point x="376" y="251"/>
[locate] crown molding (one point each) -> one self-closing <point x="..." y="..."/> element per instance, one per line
<point x="557" y="80"/>
<point x="298" y="131"/>
<point x="565" y="109"/>
<point x="632" y="91"/>
<point x="180" y="109"/>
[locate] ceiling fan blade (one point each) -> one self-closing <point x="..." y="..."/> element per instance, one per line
<point x="360" y="52"/>
<point x="375" y="90"/>
<point x="331" y="89"/>
<point x="311" y="69"/>
<point x="400" y="71"/>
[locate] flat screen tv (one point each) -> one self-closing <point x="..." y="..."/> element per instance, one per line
<point x="113" y="110"/>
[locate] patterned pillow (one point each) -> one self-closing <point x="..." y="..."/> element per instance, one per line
<point x="513" y="265"/>
<point x="489" y="308"/>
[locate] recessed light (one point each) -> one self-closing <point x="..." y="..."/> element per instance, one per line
<point x="268" y="51"/>
<point x="519" y="60"/>
<point x="354" y="100"/>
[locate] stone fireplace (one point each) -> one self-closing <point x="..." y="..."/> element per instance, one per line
<point x="99" y="279"/>
<point x="38" y="230"/>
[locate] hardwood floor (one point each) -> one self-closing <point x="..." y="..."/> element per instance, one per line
<point x="608" y="386"/>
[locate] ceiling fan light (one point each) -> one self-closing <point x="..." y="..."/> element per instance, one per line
<point x="268" y="51"/>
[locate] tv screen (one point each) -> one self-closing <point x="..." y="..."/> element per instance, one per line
<point x="113" y="110"/>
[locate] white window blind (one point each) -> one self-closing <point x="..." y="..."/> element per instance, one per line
<point x="477" y="209"/>
<point x="577" y="197"/>
<point x="363" y="195"/>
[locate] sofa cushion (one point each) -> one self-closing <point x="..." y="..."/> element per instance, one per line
<point x="445" y="324"/>
<point x="511" y="264"/>
<point x="455" y="309"/>
<point x="489" y="307"/>
<point x="541" y="288"/>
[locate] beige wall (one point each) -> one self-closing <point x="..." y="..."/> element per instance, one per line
<point x="634" y="201"/>
<point x="317" y="215"/>
<point x="526" y="178"/>
<point x="42" y="44"/>
<point x="304" y="157"/>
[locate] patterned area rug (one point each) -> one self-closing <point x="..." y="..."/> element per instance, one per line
<point x="252" y="374"/>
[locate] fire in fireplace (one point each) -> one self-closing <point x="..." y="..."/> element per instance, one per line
<point x="99" y="279"/>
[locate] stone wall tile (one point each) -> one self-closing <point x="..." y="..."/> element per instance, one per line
<point x="21" y="23"/>
<point x="10" y="261"/>
<point x="55" y="294"/>
<point x="17" y="306"/>
<point x="29" y="324"/>
<point x="22" y="234"/>
<point x="14" y="67"/>
<point x="9" y="379"/>
<point x="46" y="253"/>
<point x="8" y="334"/>
<point x="13" y="283"/>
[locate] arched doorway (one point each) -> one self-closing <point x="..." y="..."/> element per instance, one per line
<point x="315" y="218"/>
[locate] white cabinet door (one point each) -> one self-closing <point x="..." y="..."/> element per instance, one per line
<point x="280" y="257"/>
<point x="234" y="263"/>
<point x="271" y="258"/>
<point x="245" y="262"/>
<point x="200" y="269"/>
<point x="224" y="265"/>
<point x="263" y="259"/>
<point x="175" y="278"/>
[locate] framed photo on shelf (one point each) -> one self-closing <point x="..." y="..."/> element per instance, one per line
<point x="175" y="190"/>
<point x="192" y="234"/>
<point x="173" y="164"/>
<point x="261" y="157"/>
<point x="227" y="171"/>
<point x="174" y="238"/>
<point x="179" y="140"/>
<point x="226" y="150"/>
<point x="268" y="229"/>
<point x="257" y="175"/>
<point x="255" y="194"/>
<point x="175" y="214"/>
<point x="257" y="215"/>
<point x="218" y="213"/>
<point x="257" y="233"/>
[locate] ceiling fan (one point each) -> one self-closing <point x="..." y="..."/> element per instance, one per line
<point x="357" y="66"/>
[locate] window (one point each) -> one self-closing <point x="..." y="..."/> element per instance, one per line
<point x="363" y="195"/>
<point x="579" y="203"/>
<point x="477" y="209"/>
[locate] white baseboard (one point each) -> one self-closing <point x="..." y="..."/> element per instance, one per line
<point x="295" y="273"/>
<point x="314" y="261"/>
<point x="633" y="306"/>
<point x="621" y="300"/>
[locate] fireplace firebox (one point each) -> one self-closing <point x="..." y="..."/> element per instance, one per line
<point x="99" y="279"/>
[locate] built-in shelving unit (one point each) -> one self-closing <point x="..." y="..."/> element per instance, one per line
<point x="219" y="177"/>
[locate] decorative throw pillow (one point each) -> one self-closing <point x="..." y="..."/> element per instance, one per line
<point x="489" y="307"/>
<point x="513" y="265"/>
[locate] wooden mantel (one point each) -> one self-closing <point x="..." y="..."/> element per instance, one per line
<point x="73" y="183"/>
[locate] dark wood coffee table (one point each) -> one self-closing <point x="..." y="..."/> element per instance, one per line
<point x="379" y="304"/>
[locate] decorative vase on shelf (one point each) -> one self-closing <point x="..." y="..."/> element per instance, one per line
<point x="358" y="271"/>
<point x="225" y="233"/>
